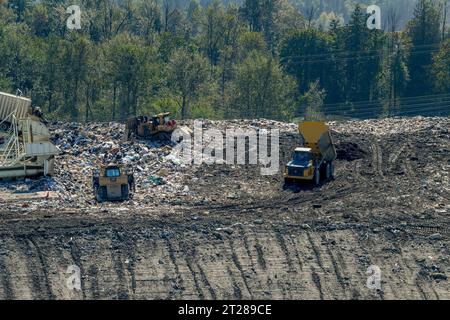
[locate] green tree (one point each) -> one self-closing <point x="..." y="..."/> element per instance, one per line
<point x="20" y="7"/>
<point x="51" y="73"/>
<point x="440" y="70"/>
<point x="424" y="31"/>
<point x="312" y="102"/>
<point x="187" y="72"/>
<point x="261" y="17"/>
<point x="212" y="37"/>
<point x="305" y="55"/>
<point x="229" y="52"/>
<point x="74" y="69"/>
<point x="261" y="89"/>
<point x="394" y="75"/>
<point x="131" y="68"/>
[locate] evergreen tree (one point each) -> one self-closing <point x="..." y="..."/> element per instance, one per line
<point x="424" y="31"/>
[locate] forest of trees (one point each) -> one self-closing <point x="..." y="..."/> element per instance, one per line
<point x="275" y="59"/>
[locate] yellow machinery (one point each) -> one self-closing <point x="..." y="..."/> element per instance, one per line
<point x="113" y="183"/>
<point x="314" y="161"/>
<point x="158" y="127"/>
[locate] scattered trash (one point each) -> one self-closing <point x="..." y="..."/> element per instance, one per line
<point x="436" y="236"/>
<point x="157" y="181"/>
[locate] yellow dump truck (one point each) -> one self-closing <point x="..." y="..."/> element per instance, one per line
<point x="25" y="146"/>
<point x="113" y="183"/>
<point x="314" y="161"/>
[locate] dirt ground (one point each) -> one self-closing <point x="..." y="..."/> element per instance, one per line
<point x="239" y="235"/>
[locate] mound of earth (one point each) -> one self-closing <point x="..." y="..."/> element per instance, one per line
<point x="227" y="231"/>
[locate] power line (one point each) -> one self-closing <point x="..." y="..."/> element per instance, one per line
<point x="376" y="102"/>
<point x="401" y="110"/>
<point x="353" y="52"/>
<point x="380" y="105"/>
<point x="341" y="59"/>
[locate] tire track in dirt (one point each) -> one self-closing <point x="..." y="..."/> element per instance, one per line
<point x="336" y="269"/>
<point x="194" y="262"/>
<point x="76" y="257"/>
<point x="377" y="158"/>
<point x="419" y="287"/>
<point x="246" y="246"/>
<point x="367" y="257"/>
<point x="21" y="243"/>
<point x="316" y="280"/>
<point x="316" y="252"/>
<point x="117" y="260"/>
<point x="206" y="282"/>
<point x="189" y="256"/>
<point x="296" y="252"/>
<point x="249" y="237"/>
<point x="420" y="282"/>
<point x="35" y="267"/>
<point x="44" y="267"/>
<point x="178" y="284"/>
<point x="93" y="275"/>
<point x="238" y="265"/>
<point x="237" y="293"/>
<point x="284" y="249"/>
<point x="129" y="246"/>
<point x="260" y="255"/>
<point x="319" y="260"/>
<point x="6" y="279"/>
<point x="393" y="157"/>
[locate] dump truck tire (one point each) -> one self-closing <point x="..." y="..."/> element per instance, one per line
<point x="332" y="170"/>
<point x="328" y="174"/>
<point x="317" y="177"/>
<point x="287" y="183"/>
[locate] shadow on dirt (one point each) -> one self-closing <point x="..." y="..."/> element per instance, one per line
<point x="297" y="187"/>
<point x="349" y="151"/>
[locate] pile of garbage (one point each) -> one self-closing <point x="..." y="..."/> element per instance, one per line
<point x="159" y="175"/>
<point x="86" y="147"/>
<point x="387" y="126"/>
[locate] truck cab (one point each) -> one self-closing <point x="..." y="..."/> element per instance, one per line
<point x="301" y="163"/>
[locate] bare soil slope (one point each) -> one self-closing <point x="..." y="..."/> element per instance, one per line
<point x="237" y="234"/>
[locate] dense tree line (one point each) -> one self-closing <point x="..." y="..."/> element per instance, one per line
<point x="211" y="59"/>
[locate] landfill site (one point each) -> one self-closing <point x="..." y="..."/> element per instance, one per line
<point x="226" y="231"/>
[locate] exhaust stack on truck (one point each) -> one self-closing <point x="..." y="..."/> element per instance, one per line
<point x="25" y="146"/>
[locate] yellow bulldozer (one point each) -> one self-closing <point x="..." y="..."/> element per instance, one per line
<point x="157" y="127"/>
<point x="314" y="160"/>
<point x="113" y="183"/>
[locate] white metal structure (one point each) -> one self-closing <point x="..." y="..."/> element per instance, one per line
<point x="25" y="148"/>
